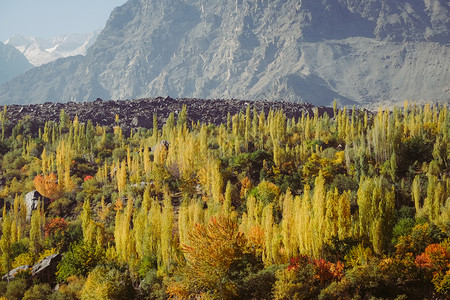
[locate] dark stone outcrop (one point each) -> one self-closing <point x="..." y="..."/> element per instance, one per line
<point x="45" y="270"/>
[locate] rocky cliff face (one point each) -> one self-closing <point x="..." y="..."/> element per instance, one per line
<point x="356" y="51"/>
<point x="12" y="63"/>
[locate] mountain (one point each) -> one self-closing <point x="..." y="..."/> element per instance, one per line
<point x="12" y="63"/>
<point x="40" y="51"/>
<point x="362" y="52"/>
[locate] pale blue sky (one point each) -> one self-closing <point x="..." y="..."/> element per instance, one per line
<point x="48" y="18"/>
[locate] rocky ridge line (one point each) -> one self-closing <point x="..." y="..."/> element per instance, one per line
<point x="139" y="112"/>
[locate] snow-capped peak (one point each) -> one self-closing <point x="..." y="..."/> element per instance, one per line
<point x="40" y="51"/>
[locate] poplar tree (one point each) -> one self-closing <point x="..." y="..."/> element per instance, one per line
<point x="87" y="224"/>
<point x="121" y="177"/>
<point x="155" y="128"/>
<point x="226" y="207"/>
<point x="344" y="215"/>
<point x="287" y="226"/>
<point x="331" y="214"/>
<point x="5" y="242"/>
<point x="318" y="213"/>
<point x="168" y="127"/>
<point x="166" y="232"/>
<point x="4" y="119"/>
<point x="376" y="201"/>
<point x="36" y="233"/>
<point x="415" y="193"/>
<point x="182" y="118"/>
<point x="304" y="223"/>
<point x="216" y="181"/>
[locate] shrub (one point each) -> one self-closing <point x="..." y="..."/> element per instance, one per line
<point x="152" y="287"/>
<point x="3" y="287"/>
<point x="403" y="227"/>
<point x="304" y="278"/>
<point x="107" y="283"/>
<point x="55" y="231"/>
<point x="55" y="226"/>
<point x="259" y="285"/>
<point x="296" y="281"/>
<point x="344" y="183"/>
<point x="436" y="261"/>
<point x="79" y="260"/>
<point x="119" y="154"/>
<point x="23" y="259"/>
<point x="414" y="149"/>
<point x="16" y="289"/>
<point x="38" y="292"/>
<point x="19" y="247"/>
<point x="71" y="290"/>
<point x="147" y="264"/>
<point x="337" y="249"/>
<point x="266" y="191"/>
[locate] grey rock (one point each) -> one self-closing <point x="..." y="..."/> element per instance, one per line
<point x="11" y="274"/>
<point x="142" y="121"/>
<point x="45" y="270"/>
<point x="162" y="144"/>
<point x="32" y="200"/>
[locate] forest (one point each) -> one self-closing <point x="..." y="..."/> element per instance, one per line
<point x="354" y="205"/>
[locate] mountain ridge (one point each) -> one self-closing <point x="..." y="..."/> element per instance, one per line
<point x="376" y="50"/>
<point x="40" y="51"/>
<point x="12" y="63"/>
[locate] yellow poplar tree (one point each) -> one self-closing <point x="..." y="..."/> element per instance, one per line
<point x="166" y="232"/>
<point x="318" y="214"/>
<point x="5" y="242"/>
<point x="287" y="226"/>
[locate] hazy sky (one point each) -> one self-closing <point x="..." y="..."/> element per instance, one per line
<point x="48" y="18"/>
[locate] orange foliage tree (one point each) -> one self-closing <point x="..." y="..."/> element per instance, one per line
<point x="214" y="248"/>
<point x="47" y="185"/>
<point x="436" y="260"/>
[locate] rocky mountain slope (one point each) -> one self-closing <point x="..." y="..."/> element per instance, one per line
<point x="40" y="51"/>
<point x="12" y="63"/>
<point x="357" y="51"/>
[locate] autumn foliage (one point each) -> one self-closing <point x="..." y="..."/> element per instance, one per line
<point x="47" y="185"/>
<point x="353" y="204"/>
<point x="209" y="257"/>
<point x="55" y="226"/>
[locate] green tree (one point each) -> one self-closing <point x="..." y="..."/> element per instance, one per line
<point x="80" y="259"/>
<point x="182" y="118"/>
<point x="36" y="234"/>
<point x="376" y="201"/>
<point x="38" y="292"/>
